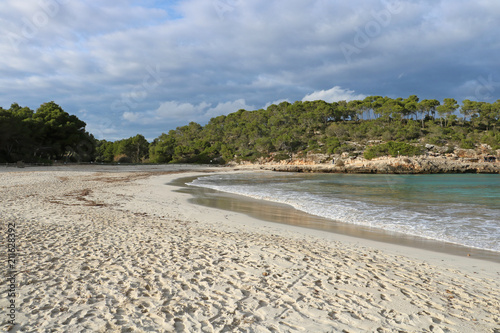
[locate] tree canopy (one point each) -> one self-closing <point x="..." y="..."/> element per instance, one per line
<point x="278" y="131"/>
<point x="48" y="134"/>
<point x="321" y="127"/>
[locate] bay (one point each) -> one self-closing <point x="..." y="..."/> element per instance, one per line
<point x="457" y="209"/>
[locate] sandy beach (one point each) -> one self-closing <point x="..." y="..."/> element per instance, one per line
<point x="114" y="249"/>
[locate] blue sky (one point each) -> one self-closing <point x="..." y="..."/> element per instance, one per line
<point x="128" y="67"/>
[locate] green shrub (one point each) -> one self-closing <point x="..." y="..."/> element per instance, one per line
<point x="251" y="158"/>
<point x="124" y="159"/>
<point x="437" y="140"/>
<point x="344" y="149"/>
<point x="370" y="154"/>
<point x="281" y="156"/>
<point x="450" y="150"/>
<point x="44" y="161"/>
<point x="392" y="148"/>
<point x="467" y="144"/>
<point x="387" y="135"/>
<point x="332" y="143"/>
<point x="491" y="138"/>
<point x="410" y="132"/>
<point x="312" y="145"/>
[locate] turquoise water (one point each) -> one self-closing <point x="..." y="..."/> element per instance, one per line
<point x="460" y="209"/>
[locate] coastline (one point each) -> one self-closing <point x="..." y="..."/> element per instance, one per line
<point x="284" y="214"/>
<point x="383" y="165"/>
<point x="121" y="251"/>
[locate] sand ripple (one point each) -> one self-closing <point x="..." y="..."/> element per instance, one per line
<point x="104" y="256"/>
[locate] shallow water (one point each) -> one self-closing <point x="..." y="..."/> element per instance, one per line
<point x="458" y="209"/>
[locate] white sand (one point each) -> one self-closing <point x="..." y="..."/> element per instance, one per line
<point x="122" y="252"/>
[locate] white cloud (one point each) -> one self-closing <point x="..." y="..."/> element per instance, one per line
<point x="135" y="117"/>
<point x="227" y="108"/>
<point x="216" y="60"/>
<point x="334" y="95"/>
<point x="276" y="102"/>
<point x="103" y="129"/>
<point x="185" y="112"/>
<point x="178" y="110"/>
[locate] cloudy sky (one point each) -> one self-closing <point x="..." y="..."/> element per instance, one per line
<point x="130" y="66"/>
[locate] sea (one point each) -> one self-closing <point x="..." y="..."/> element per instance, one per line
<point x="462" y="209"/>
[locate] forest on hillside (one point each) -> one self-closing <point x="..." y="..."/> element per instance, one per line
<point x="278" y="131"/>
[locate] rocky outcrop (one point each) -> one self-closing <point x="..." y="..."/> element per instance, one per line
<point x="437" y="159"/>
<point x="406" y="165"/>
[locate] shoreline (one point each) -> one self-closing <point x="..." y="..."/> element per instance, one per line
<point x="384" y="165"/>
<point x="287" y="215"/>
<point x="350" y="165"/>
<point x="121" y="251"/>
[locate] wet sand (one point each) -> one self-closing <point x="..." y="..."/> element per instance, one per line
<point x="281" y="213"/>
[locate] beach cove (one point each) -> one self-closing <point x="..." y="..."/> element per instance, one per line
<point x="114" y="249"/>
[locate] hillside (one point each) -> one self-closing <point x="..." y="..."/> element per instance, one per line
<point x="359" y="131"/>
<point x="365" y="129"/>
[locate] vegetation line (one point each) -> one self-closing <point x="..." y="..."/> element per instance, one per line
<point x="373" y="127"/>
